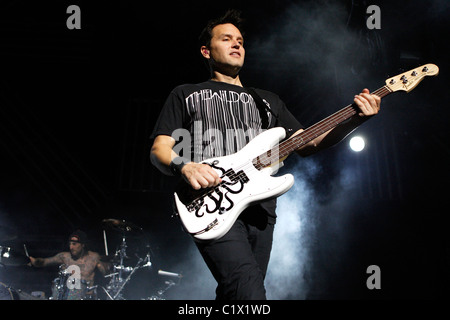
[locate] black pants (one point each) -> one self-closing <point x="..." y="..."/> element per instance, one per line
<point x="238" y="260"/>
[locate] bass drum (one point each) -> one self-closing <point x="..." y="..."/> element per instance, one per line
<point x="60" y="291"/>
<point x="8" y="293"/>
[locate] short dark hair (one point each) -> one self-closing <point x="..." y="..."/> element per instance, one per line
<point x="232" y="16"/>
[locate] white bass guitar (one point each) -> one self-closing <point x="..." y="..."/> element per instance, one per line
<point x="247" y="179"/>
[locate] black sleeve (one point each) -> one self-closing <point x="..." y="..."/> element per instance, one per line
<point x="172" y="116"/>
<point x="287" y="120"/>
<point x="283" y="117"/>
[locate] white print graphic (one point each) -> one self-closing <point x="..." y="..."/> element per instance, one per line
<point x="223" y="122"/>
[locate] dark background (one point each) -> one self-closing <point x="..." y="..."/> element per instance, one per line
<point x="77" y="108"/>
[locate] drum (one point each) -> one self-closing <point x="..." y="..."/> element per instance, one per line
<point x="7" y="293"/>
<point x="11" y="257"/>
<point x="60" y="290"/>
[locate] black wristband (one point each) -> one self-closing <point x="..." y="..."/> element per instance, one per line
<point x="177" y="164"/>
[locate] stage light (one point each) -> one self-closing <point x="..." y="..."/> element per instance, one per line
<point x="357" y="144"/>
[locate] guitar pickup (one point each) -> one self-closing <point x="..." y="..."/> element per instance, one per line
<point x="242" y="177"/>
<point x="194" y="205"/>
<point x="237" y="176"/>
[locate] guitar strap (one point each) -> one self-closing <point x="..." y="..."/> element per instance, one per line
<point x="262" y="108"/>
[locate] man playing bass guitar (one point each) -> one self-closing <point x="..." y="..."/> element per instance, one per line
<point x="222" y="116"/>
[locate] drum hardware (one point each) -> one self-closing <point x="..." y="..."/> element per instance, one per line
<point x="127" y="279"/>
<point x="7" y="234"/>
<point x="59" y="284"/>
<point x="107" y="293"/>
<point x="10" y="257"/>
<point x="160" y="293"/>
<point x="169" y="284"/>
<point x="170" y="274"/>
<point x="62" y="291"/>
<point x="7" y="292"/>
<point x="114" y="289"/>
<point x="121" y="274"/>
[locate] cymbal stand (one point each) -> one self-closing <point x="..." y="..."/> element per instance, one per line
<point x="138" y="266"/>
<point x="117" y="282"/>
<point x="160" y="293"/>
<point x="127" y="279"/>
<point x="61" y="282"/>
<point x="107" y="293"/>
<point x="169" y="284"/>
<point x="115" y="286"/>
<point x="123" y="254"/>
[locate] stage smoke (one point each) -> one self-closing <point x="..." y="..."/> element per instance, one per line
<point x="313" y="58"/>
<point x="311" y="236"/>
<point x="290" y="258"/>
<point x="197" y="282"/>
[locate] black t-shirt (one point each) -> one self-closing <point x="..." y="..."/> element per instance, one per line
<point x="219" y="119"/>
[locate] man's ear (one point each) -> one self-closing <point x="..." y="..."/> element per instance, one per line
<point x="205" y="52"/>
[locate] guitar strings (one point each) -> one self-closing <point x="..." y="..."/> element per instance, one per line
<point x="293" y="143"/>
<point x="284" y="148"/>
<point x="321" y="127"/>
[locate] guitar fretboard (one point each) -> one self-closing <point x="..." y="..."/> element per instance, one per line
<point x="286" y="147"/>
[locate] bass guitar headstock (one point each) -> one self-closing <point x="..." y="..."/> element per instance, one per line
<point x="408" y="80"/>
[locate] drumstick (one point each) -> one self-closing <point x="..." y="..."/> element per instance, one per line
<point x="106" y="244"/>
<point x="26" y="251"/>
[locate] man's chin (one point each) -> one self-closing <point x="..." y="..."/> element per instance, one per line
<point x="231" y="69"/>
<point x="74" y="257"/>
<point x="237" y="65"/>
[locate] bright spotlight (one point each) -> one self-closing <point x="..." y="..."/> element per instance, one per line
<point x="357" y="143"/>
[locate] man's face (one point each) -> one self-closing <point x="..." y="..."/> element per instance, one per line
<point x="76" y="249"/>
<point x="226" y="48"/>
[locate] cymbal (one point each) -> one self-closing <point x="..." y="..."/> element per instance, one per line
<point x="7" y="233"/>
<point x="11" y="257"/>
<point x="121" y="225"/>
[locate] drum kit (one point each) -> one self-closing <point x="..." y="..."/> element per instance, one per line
<point x="115" y="282"/>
